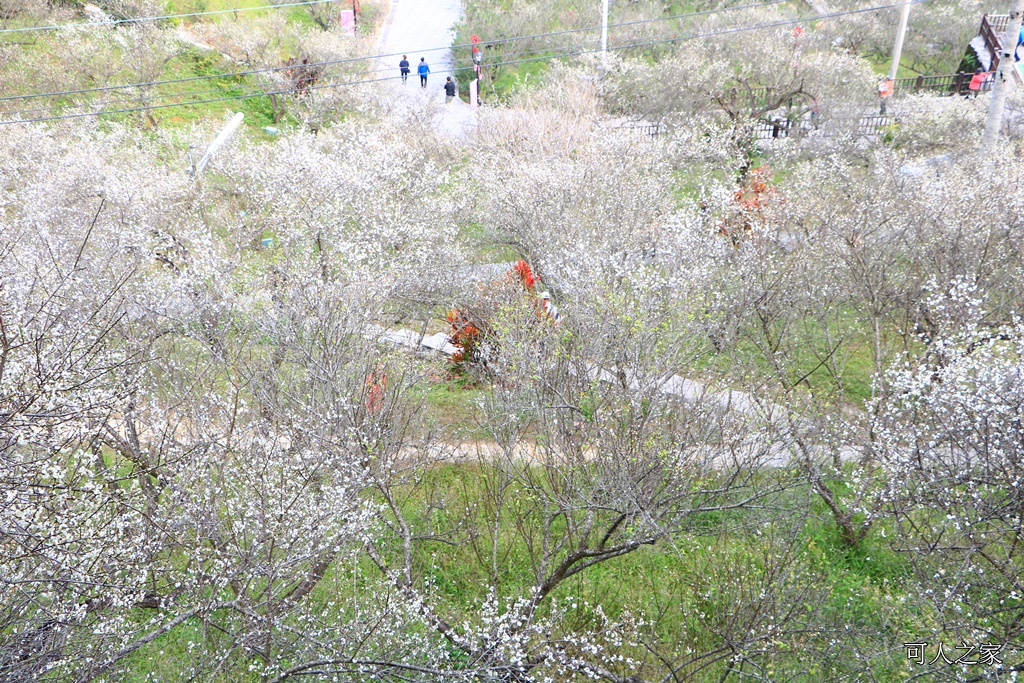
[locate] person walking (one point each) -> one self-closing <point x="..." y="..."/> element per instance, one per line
<point x="886" y="87"/>
<point x="977" y="81"/>
<point x="449" y="92"/>
<point x="423" y="69"/>
<point x="404" y="67"/>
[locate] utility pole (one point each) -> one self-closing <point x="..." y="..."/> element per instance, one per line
<point x="604" y="34"/>
<point x="995" y="107"/>
<point x="886" y="88"/>
<point x="218" y="142"/>
<point x="897" y="49"/>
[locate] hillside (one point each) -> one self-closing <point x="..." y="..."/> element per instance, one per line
<point x="675" y="362"/>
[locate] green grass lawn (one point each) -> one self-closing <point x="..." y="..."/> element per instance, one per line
<point x="688" y="590"/>
<point x="202" y="76"/>
<point x="297" y="13"/>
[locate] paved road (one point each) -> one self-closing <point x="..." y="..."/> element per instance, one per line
<point x="426" y="28"/>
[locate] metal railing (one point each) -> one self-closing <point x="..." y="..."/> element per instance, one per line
<point x="761" y="96"/>
<point x="646" y="129"/>
<point x="781" y="128"/>
<point x="949" y="84"/>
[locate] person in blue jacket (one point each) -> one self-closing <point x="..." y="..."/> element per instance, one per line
<point x="423" y="69"/>
<point x="404" y="67"/>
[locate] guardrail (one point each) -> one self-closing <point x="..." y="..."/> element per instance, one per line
<point x="998" y="22"/>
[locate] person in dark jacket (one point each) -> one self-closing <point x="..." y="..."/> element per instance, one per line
<point x="449" y="92"/>
<point x="404" y="68"/>
<point x="423" y="69"/>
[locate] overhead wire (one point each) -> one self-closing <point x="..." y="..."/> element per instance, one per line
<point x="741" y="29"/>
<point x="263" y="88"/>
<point x="673" y="39"/>
<point x="287" y="91"/>
<point x="347" y="60"/>
<point x="161" y="96"/>
<point x="460" y="64"/>
<point x="162" y="17"/>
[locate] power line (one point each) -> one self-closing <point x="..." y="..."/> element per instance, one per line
<point x="252" y="87"/>
<point x="712" y="34"/>
<point x="257" y="89"/>
<point x="115" y="22"/>
<point x="381" y="56"/>
<point x="674" y="39"/>
<point x="458" y="65"/>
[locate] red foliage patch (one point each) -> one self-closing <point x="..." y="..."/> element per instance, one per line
<point x="471" y="329"/>
<point x="753" y="202"/>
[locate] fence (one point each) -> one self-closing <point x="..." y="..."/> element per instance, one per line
<point x="647" y="129"/>
<point x="950" y="84"/>
<point x="993" y="26"/>
<point x="997" y="22"/>
<point x="781" y="128"/>
<point x="944" y="85"/>
<point x="762" y="96"/>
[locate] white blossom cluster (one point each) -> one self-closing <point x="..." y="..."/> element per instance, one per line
<point x="212" y="467"/>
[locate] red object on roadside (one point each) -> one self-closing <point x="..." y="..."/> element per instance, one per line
<point x="521" y="269"/>
<point x="377" y="384"/>
<point x="474" y="39"/>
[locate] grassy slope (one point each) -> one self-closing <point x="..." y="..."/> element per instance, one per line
<point x="190" y="62"/>
<point x="863" y="585"/>
<point x="685" y="590"/>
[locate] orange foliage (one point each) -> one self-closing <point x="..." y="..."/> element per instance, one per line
<point x="752" y="202"/>
<point x="376" y="385"/>
<point x="524" y="272"/>
<point x="467" y="334"/>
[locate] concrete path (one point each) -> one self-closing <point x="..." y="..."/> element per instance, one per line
<point x="425" y="28"/>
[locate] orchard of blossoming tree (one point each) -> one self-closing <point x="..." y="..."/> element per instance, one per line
<point x="712" y="402"/>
